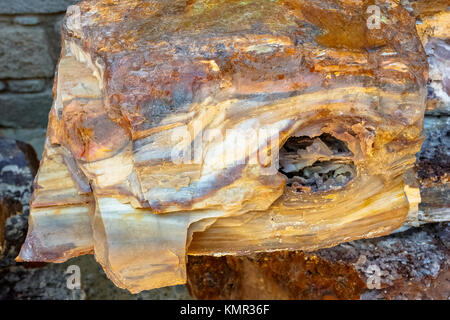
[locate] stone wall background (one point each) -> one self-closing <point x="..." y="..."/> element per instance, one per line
<point x="29" y="51"/>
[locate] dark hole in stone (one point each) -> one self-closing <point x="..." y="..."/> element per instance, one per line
<point x="334" y="144"/>
<point x="316" y="164"/>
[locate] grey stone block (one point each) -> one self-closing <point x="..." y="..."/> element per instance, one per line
<point x="24" y="53"/>
<point x="34" y="6"/>
<point x="5" y="19"/>
<point x="26" y="20"/>
<point x="29" y="85"/>
<point x="25" y="110"/>
<point x="2" y="86"/>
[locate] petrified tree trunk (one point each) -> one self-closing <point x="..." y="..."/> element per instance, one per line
<point x="170" y="119"/>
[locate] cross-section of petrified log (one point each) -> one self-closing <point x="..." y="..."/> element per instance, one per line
<point x="225" y="127"/>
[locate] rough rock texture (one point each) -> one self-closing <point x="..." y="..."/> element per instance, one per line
<point x="117" y="179"/>
<point x="8" y="207"/>
<point x="18" y="165"/>
<point x="34" y="137"/>
<point x="410" y="265"/>
<point x="49" y="282"/>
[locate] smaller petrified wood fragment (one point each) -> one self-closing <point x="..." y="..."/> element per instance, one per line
<point x="168" y="119"/>
<point x="433" y="170"/>
<point x="433" y="28"/>
<point x="433" y="165"/>
<point x="18" y="166"/>
<point x="6" y="210"/>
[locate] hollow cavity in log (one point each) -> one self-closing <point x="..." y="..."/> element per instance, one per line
<point x="316" y="164"/>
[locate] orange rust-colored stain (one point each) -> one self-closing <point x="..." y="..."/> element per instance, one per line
<point x="279" y="275"/>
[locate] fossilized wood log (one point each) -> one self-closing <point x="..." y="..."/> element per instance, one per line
<point x="154" y="101"/>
